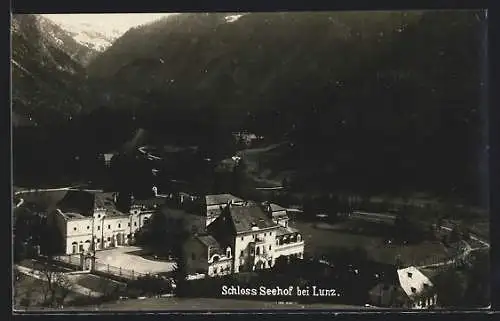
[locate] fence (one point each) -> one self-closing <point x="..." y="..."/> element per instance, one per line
<point x="117" y="272"/>
<point x="107" y="270"/>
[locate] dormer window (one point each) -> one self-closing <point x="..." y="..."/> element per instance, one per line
<point x="410" y="274"/>
<point x="413" y="290"/>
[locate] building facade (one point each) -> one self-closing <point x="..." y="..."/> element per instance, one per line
<point x="418" y="288"/>
<point x="255" y="240"/>
<point x="204" y="255"/>
<point x="90" y="221"/>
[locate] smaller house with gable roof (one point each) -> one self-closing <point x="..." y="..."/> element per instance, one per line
<point x="204" y="254"/>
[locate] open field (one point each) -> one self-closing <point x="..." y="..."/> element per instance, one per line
<point x="203" y="304"/>
<point x="320" y="241"/>
<point x="257" y="160"/>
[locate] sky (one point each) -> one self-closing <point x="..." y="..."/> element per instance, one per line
<point x="106" y="22"/>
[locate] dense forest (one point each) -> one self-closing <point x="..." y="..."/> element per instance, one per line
<point x="371" y="101"/>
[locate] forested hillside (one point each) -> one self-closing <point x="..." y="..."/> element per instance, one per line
<point x="367" y="99"/>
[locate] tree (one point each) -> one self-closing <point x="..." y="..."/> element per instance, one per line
<point x="57" y="285"/>
<point x="450" y="287"/>
<point x="124" y="201"/>
<point x="455" y="235"/>
<point x="179" y="276"/>
<point x="478" y="274"/>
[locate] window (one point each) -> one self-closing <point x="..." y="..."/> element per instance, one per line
<point x="413" y="290"/>
<point x="98" y="228"/>
<point x="277" y="242"/>
<point x="270" y="247"/>
<point x="80" y="248"/>
<point x="119" y="225"/>
<point x="98" y="240"/>
<point x="128" y="224"/>
<point x="88" y="227"/>
<point x="426" y="285"/>
<point x="242" y="253"/>
<point x="109" y="227"/>
<point x="257" y="251"/>
<point x="128" y="236"/>
<point x="74" y="228"/>
<point x="270" y="233"/>
<point x="410" y="274"/>
<point x="242" y="238"/>
<point x="193" y="256"/>
<point x="109" y="239"/>
<point x="135" y="223"/>
<point x="98" y="215"/>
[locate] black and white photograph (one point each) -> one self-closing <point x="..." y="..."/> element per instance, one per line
<point x="227" y="161"/>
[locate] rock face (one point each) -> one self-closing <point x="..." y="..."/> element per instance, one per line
<point x="47" y="71"/>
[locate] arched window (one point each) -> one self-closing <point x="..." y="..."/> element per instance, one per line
<point x="298" y="237"/>
<point x="228" y="252"/>
<point x="215" y="258"/>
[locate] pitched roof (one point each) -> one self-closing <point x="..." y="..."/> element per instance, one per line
<point x="286" y="230"/>
<point x="211" y="243"/>
<point x="412" y="281"/>
<point x="80" y="202"/>
<point x="150" y="203"/>
<point x="276" y="207"/>
<point x="244" y="218"/>
<point x="221" y="199"/>
<point x="84" y="203"/>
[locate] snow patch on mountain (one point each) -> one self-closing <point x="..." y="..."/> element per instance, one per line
<point x="233" y="18"/>
<point x="99" y="31"/>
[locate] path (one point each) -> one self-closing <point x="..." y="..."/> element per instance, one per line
<point x="75" y="287"/>
<point x="69" y="188"/>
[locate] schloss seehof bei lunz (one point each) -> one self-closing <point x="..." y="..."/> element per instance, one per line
<point x="278" y="291"/>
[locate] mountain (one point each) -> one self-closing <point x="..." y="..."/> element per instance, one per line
<point x="88" y="35"/>
<point x="369" y="100"/>
<point x="397" y="88"/>
<point x="47" y="71"/>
